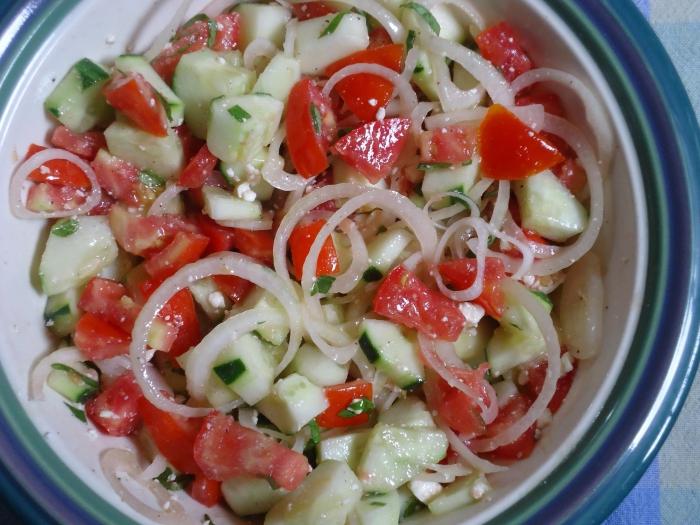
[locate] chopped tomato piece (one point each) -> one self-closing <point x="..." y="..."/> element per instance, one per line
<point x="572" y="175"/>
<point x="180" y="313"/>
<point x="308" y="10"/>
<point x="511" y="412"/>
<point x="97" y="339"/>
<point x="551" y="101"/>
<point x="221" y="238"/>
<point x="451" y="144"/>
<point x="185" y="248"/>
<point x="58" y="172"/>
<point x="85" y="145"/>
<point x="47" y="197"/>
<point x="502" y="47"/>
<point x="115" y="410"/>
<point x="512" y="151"/>
<point x="135" y="97"/>
<point x="365" y="93"/>
<point x="535" y="379"/>
<point x="339" y="397"/>
<point x="225" y="449"/>
<point x="206" y="491"/>
<point x="233" y="286"/>
<point x="190" y="144"/>
<point x="118" y="178"/>
<point x="310" y="126"/>
<point x="374" y="148"/>
<point x="109" y="300"/>
<point x="173" y="435"/>
<point x="228" y="28"/>
<point x="459" y="274"/>
<point x="405" y="299"/>
<point x="379" y="37"/>
<point x="300" y="243"/>
<point x="255" y="244"/>
<point x="198" y="169"/>
<point x="104" y="206"/>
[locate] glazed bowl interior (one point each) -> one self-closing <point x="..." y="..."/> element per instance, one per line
<point x="89" y="31"/>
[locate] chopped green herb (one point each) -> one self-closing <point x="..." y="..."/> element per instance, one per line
<point x="333" y="24"/>
<point x="315" y="432"/>
<point x="372" y="274"/>
<point x="55" y="112"/>
<point x="427" y="166"/>
<point x="89" y="73"/>
<point x="418" y="69"/>
<point x="343" y="131"/>
<point x="357" y="407"/>
<point x="78" y="376"/>
<point x="172" y="481"/>
<point x="489" y="195"/>
<point x="79" y="414"/>
<point x="426" y="15"/>
<point x="410" y="39"/>
<point x="240" y="114"/>
<point x="63" y="310"/>
<point x="262" y="93"/>
<point x="151" y="179"/>
<point x="315" y="118"/>
<point x="229" y="372"/>
<point x="322" y="284"/>
<point x="377" y="503"/>
<point x="544" y="297"/>
<point x="413" y="506"/>
<point x="65" y="227"/>
<point x="212" y="32"/>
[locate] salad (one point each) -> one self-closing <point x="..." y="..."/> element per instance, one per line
<point x="324" y="262"/>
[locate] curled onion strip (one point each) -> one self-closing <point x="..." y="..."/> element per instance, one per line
<point x="216" y="7"/>
<point x="544" y="322"/>
<point x="19" y="177"/>
<point x="451" y="97"/>
<point x="160" y="205"/>
<point x="162" y="39"/>
<point x="290" y="37"/>
<point x="382" y="15"/>
<point x="453" y="117"/>
<point x="467" y="456"/>
<point x="156" y="466"/>
<point x="419" y="114"/>
<point x="500" y="207"/>
<point x="541" y="251"/>
<point x="532" y="116"/>
<point x="43" y="367"/>
<point x="251" y="224"/>
<point x="444" y="473"/>
<point x="401" y="86"/>
<point x="595" y="113"/>
<point x="519" y="267"/>
<point x="248" y="418"/>
<point x="218" y="264"/>
<point x="273" y="169"/>
<point x="466" y="7"/>
<point x="476" y="193"/>
<point x="260" y="47"/>
<point x="360" y="260"/>
<point x="450" y="211"/>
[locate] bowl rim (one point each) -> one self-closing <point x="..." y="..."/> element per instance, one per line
<point x="635" y="421"/>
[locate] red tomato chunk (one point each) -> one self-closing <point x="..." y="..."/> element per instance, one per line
<point x="115" y="411"/>
<point x="339" y="397"/>
<point x="300" y="243"/>
<point x="85" y="145"/>
<point x="97" y="339"/>
<point x="136" y="98"/>
<point x="511" y="412"/>
<point x="451" y="144"/>
<point x="459" y="274"/>
<point x="501" y="45"/>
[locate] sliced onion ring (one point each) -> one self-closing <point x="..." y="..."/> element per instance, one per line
<point x="161" y="203"/>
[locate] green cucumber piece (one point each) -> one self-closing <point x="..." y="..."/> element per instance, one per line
<point x="293" y="402"/>
<point x="207" y="295"/>
<point x="238" y="173"/>
<point x="460" y="493"/>
<point x="410" y="413"/>
<point x="458" y="178"/>
<point x="61" y="312"/>
<point x="77" y="101"/>
<point x="278" y="77"/>
<point x="383" y="252"/>
<point x="222" y="205"/>
<point x="271" y="332"/>
<point x="391" y="352"/>
<point x="377" y="509"/>
<point x="424" y="76"/>
<point x="268" y="21"/>
<point x="471" y="345"/>
<point x="347" y="448"/>
<point x="76" y="383"/>
<point x="247" y="495"/>
<point x="313" y="364"/>
<point x="247" y="367"/>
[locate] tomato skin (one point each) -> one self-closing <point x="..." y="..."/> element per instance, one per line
<point x="308" y="146"/>
<point x="572" y="175"/>
<point x="109" y="300"/>
<point x="115" y="410"/>
<point x="220" y="237"/>
<point x="57" y="172"/>
<point x="180" y="313"/>
<point x="228" y="31"/>
<point x="460" y="274"/>
<point x="523" y="446"/>
<point x="255" y="244"/>
<point x="536" y="375"/>
<point x="339" y="397"/>
<point x="403" y="298"/>
<point x="47" y="197"/>
<point x="551" y="101"/>
<point x="233" y="287"/>
<point x="224" y="449"/>
<point x="185" y="248"/>
<point x="173" y="435"/>
<point x="512" y="151"/>
<point x="374" y="148"/>
<point x="97" y="339"/>
<point x="199" y="168"/>
<point x="300" y="242"/>
<point x="451" y="144"/>
<point x="103" y="207"/>
<point x="455" y="408"/>
<point x="379" y="37"/>
<point x="119" y="178"/>
<point x="206" y="491"/>
<point x="308" y="10"/>
<point x="357" y="90"/>
<point x="135" y="97"/>
<point x="500" y="45"/>
<point x="85" y="145"/>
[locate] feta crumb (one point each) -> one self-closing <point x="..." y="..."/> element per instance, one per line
<point x="381" y="113"/>
<point x="50" y="322"/>
<point x="545" y="419"/>
<point x="110" y="39"/>
<point x="472" y="312"/>
<point x="373" y="102"/>
<point x="424" y="491"/>
<point x="252" y="170"/>
<point x="480" y="488"/>
<point x="221" y="60"/>
<point x="108" y="414"/>
<point x="544" y="283"/>
<point x="245" y="192"/>
<point x="142" y="147"/>
<point x="567" y="365"/>
<point x="92" y="434"/>
<point x="44" y="170"/>
<point x="216" y="300"/>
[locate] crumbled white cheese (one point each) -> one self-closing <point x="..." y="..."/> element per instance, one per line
<point x="217" y="300"/>
<point x="373" y="102"/>
<point x="544" y="419"/>
<point x="245" y="192"/>
<point x="544" y="283"/>
<point x="472" y="312"/>
<point x="424" y="491"/>
<point x="110" y="39"/>
<point x="381" y="113"/>
<point x="480" y="487"/>
<point x="108" y="414"/>
<point x="44" y="170"/>
<point x="567" y="365"/>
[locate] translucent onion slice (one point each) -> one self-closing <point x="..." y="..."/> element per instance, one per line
<point x="225" y="263"/>
<point x="43" y="367"/>
<point x="216" y="7"/>
<point x="532" y="115"/>
<point x="260" y="47"/>
<point x="19" y="178"/>
<point x="449" y="118"/>
<point x="345" y="282"/>
<point x="541" y="251"/>
<point x="290" y="37"/>
<point x="544" y="322"/>
<point x="160" y="205"/>
<point x="248" y="417"/>
<point x="419" y="114"/>
<point x="386" y="19"/>
<point x="273" y="169"/>
<point x="265" y="223"/>
<point x="519" y="267"/>
<point x="451" y="97"/>
<point x="438" y="473"/>
<point x="467" y="456"/>
<point x="500" y="207"/>
<point x="466" y="7"/>
<point x="156" y="467"/>
<point x="168" y="32"/>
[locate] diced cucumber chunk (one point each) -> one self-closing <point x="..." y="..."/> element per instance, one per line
<point x="334" y="313"/>
<point x="272" y="332"/>
<point x="61" y="312"/>
<point x="163" y="155"/>
<point x="315" y="51"/>
<point x="471" y="345"/>
<point x="424" y="76"/>
<point x="325" y="497"/>
<point x="266" y="21"/>
<point x="377" y="509"/>
<point x="278" y="77"/>
<point x="505" y="390"/>
<point x="77" y="101"/>
<point x="409" y="503"/>
<point x="347" y="448"/>
<point x="293" y="402"/>
<point x="221" y="205"/>
<point x="70" y="261"/>
<point x="161" y="335"/>
<point x="391" y="352"/>
<point x="209" y="298"/>
<point x="215" y="390"/>
<point x="204" y="75"/>
<point x="239" y="127"/>
<point x="174" y="106"/>
<point x="246" y="366"/>
<point x="453" y="24"/>
<point x="239" y="173"/>
<point x="384" y="251"/>
<point x="76" y="383"/>
<point x="317" y="367"/>
<point x="410" y="413"/>
<point x="247" y="495"/>
<point x="549" y="208"/>
<point x="394" y="455"/>
<point x="460" y="493"/>
<point x="457" y="178"/>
